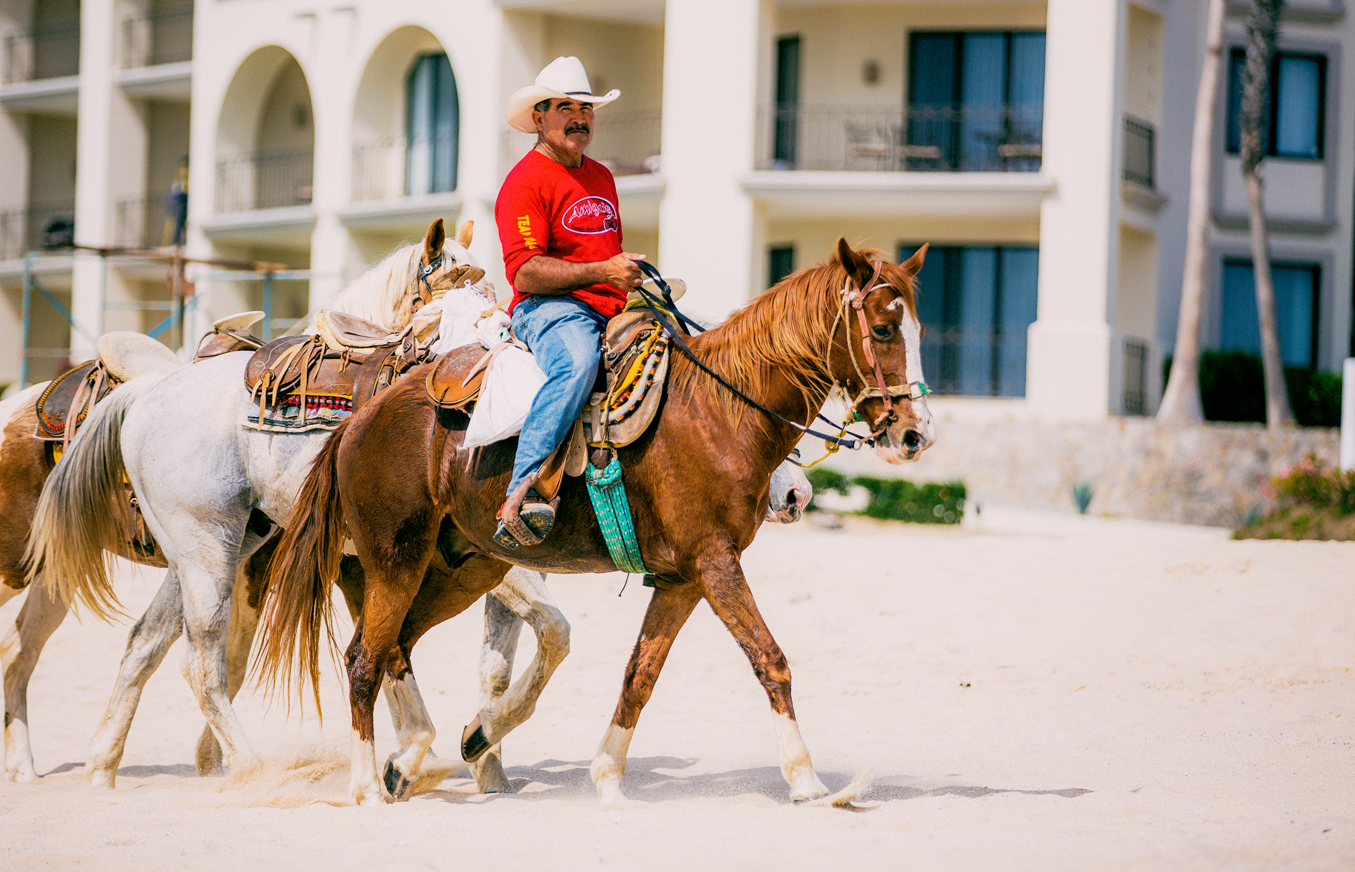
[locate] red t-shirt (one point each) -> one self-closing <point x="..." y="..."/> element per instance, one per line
<point x="545" y="207"/>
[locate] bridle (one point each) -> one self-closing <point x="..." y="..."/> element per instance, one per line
<point x="426" y="270"/>
<point x="853" y="297"/>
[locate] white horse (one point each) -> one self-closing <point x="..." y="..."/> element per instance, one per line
<point x="209" y="489"/>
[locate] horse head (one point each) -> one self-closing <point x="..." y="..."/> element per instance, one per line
<point x="883" y="374"/>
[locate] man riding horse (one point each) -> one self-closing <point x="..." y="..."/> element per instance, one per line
<point x="561" y="234"/>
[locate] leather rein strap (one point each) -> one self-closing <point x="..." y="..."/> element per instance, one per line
<point x="857" y="298"/>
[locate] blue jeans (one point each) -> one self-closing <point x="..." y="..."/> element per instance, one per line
<point x="566" y="337"/>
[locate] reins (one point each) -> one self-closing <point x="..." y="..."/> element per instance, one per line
<point x="857" y="299"/>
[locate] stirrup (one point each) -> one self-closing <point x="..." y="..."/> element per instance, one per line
<point x="533" y="523"/>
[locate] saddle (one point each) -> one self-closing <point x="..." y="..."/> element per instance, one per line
<point x="230" y="334"/>
<point x="314" y="382"/>
<point x="66" y="402"/>
<point x="634" y="372"/>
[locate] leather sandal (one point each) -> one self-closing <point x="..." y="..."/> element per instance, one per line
<point x="525" y="518"/>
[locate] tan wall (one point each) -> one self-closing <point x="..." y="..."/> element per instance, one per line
<point x="51" y="148"/>
<point x="167" y="125"/>
<point x="1143" y="66"/>
<point x="1137" y="298"/>
<point x="836" y="40"/>
<point x="616" y="55"/>
<point x="287" y="123"/>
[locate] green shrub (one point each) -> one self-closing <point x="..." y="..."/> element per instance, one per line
<point x="1312" y="483"/>
<point x="1233" y="388"/>
<point x="895" y="499"/>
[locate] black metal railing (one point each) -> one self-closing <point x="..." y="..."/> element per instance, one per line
<point x="1135" y="398"/>
<point x="43" y="226"/>
<point x="976" y="138"/>
<point x="157" y="38"/>
<point x="1138" y="152"/>
<point x="975" y="362"/>
<point x="41" y="54"/>
<point x="627" y="143"/>
<point x="151" y="222"/>
<point x="400" y="167"/>
<point x="264" y="181"/>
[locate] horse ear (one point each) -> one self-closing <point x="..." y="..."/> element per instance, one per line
<point x="432" y="243"/>
<point x="858" y="268"/>
<point x="914" y="263"/>
<point x="463" y="235"/>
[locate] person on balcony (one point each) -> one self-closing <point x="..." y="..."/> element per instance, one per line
<point x="561" y="235"/>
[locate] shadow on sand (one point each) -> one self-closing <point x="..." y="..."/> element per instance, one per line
<point x="658" y="779"/>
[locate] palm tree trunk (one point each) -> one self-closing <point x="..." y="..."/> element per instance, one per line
<point x="1181" y="402"/>
<point x="1278" y="413"/>
<point x="1262" y="28"/>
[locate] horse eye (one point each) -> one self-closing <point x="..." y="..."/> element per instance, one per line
<point x="881" y="331"/>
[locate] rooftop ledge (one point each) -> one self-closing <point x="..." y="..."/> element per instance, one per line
<point x="398" y="212"/>
<point x="259" y="223"/>
<point x="793" y="193"/>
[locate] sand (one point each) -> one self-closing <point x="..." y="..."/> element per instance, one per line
<point x="1032" y="691"/>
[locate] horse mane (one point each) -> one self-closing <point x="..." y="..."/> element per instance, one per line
<point x="382" y="293"/>
<point x="786" y="331"/>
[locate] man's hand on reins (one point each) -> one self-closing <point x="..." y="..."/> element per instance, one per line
<point x="621" y="271"/>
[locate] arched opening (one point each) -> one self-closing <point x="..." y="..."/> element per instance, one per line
<point x="265" y="147"/>
<point x="406" y="120"/>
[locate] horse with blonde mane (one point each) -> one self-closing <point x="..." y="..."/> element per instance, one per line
<point x="210" y="491"/>
<point x="697" y="484"/>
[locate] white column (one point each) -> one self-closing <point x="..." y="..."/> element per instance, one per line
<point x="1074" y="353"/>
<point x="708" y="227"/>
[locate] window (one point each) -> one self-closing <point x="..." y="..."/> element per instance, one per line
<point x="780" y="263"/>
<point x="1298" y="88"/>
<point x="976" y="101"/>
<point x="787" y="100"/>
<point x="1296" y="310"/>
<point x="433" y="124"/>
<point x="976" y="303"/>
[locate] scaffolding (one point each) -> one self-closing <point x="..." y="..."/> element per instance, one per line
<point x="179" y="307"/>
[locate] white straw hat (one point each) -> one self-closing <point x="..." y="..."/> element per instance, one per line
<point x="562" y="79"/>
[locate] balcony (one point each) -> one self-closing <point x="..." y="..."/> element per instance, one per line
<point x="264" y="181"/>
<point x="141" y="222"/>
<point x="1138" y="152"/>
<point x="40" y="226"/>
<point x="157" y="39"/>
<point x="627" y="143"/>
<point x="995" y="138"/>
<point x="41" y="54"/>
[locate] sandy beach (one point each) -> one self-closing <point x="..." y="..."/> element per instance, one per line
<point x="1030" y="691"/>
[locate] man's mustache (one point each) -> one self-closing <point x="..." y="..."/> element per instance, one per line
<point x="576" y="128"/>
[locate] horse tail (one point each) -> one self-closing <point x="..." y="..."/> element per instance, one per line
<point x="297" y="613"/>
<point x="82" y="516"/>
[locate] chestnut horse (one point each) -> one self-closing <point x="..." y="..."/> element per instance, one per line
<point x="421" y="512"/>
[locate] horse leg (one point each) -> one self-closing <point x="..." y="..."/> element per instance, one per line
<point x="239" y="638"/>
<point x="147" y="644"/>
<point x="502" y="629"/>
<point x="19" y="651"/>
<point x="727" y="591"/>
<point x="524" y="593"/>
<point x="207" y="594"/>
<point x="669" y="608"/>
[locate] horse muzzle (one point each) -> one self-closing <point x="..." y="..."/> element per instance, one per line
<point x="905" y="439"/>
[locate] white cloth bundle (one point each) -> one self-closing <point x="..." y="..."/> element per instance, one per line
<point x="506" y="396"/>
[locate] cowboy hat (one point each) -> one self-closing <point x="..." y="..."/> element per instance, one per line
<point x="562" y="79"/>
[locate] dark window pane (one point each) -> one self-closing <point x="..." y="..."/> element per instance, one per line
<point x="1298" y="107"/>
<point x="1020" y="283"/>
<point x="1296" y="289"/>
<point x="983" y="86"/>
<point x="433" y="127"/>
<point x="780" y="263"/>
<point x="933" y="69"/>
<point x="1236" y="60"/>
<point x="787" y="99"/>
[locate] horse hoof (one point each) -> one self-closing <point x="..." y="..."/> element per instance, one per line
<point x="473" y="741"/>
<point x="397" y="784"/>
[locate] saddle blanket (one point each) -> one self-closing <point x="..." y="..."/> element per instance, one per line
<point x="323" y="412"/>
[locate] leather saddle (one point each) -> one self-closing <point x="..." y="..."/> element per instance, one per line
<point x="230" y="334"/>
<point x="630" y="390"/>
<point x="337" y="369"/>
<point x="67" y="401"/>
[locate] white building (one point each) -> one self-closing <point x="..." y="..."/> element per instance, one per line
<point x="1042" y="148"/>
